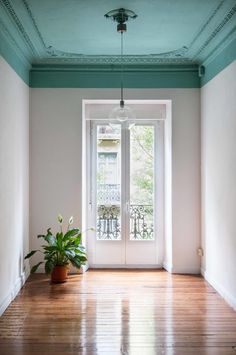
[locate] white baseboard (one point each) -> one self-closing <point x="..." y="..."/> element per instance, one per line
<point x="124" y="266"/>
<point x="228" y="297"/>
<point x="186" y="270"/>
<point x="180" y="270"/>
<point x="14" y="291"/>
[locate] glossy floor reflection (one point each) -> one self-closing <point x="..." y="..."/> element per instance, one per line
<point x="119" y="312"/>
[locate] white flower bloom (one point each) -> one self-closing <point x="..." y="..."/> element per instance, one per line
<point x="60" y="218"/>
<point x="92" y="229"/>
<point x="71" y="220"/>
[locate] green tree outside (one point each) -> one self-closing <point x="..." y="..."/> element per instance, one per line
<point x="142" y="165"/>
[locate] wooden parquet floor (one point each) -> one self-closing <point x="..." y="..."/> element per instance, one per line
<point x="110" y="312"/>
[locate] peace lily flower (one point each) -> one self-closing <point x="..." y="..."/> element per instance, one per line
<point x="60" y="218"/>
<point x="71" y="220"/>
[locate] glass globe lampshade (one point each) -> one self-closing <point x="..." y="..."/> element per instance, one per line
<point x="122" y="113"/>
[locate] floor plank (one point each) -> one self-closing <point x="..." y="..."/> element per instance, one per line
<point x="118" y="312"/>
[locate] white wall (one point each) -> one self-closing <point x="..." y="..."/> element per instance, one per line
<point x="14" y="181"/>
<point x="218" y="100"/>
<point x="56" y="162"/>
<point x="186" y="192"/>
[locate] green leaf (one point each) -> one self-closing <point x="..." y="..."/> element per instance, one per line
<point x="50" y="239"/>
<point x="71" y="233"/>
<point x="79" y="251"/>
<point x="50" y="248"/>
<point x="35" y="267"/>
<point x="80" y="259"/>
<point x="78" y="239"/>
<point x="75" y="263"/>
<point x="83" y="258"/>
<point x="30" y="254"/>
<point x="49" y="231"/>
<point x="70" y="253"/>
<point x="59" y="237"/>
<point x="49" y="266"/>
<point x="75" y="241"/>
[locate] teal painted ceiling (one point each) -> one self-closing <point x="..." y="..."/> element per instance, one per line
<point x="68" y="32"/>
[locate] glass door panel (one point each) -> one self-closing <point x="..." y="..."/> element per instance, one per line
<point x="108" y="181"/>
<point x="142" y="182"/>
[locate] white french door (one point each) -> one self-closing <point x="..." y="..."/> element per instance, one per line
<point x="126" y="194"/>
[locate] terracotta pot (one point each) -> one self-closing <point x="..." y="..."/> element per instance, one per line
<point x="59" y="274"/>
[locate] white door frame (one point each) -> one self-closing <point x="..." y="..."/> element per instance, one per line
<point x="158" y="205"/>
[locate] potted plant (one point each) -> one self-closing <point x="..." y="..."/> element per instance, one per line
<point x="61" y="250"/>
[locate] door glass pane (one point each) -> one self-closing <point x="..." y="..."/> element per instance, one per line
<point x="141" y="182"/>
<point x="108" y="182"/>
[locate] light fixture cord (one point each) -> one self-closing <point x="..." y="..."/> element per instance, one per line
<point x="122" y="68"/>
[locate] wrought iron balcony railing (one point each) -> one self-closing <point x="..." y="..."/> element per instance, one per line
<point x="141" y="222"/>
<point x="109" y="222"/>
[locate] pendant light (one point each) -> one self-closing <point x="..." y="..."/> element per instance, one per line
<point x="122" y="112"/>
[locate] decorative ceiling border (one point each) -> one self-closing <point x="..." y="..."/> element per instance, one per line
<point x="14" y="45"/>
<point x="207" y="22"/>
<point x="115" y="60"/>
<point x="225" y="20"/>
<point x="224" y="58"/>
<point x="225" y="42"/>
<point x="75" y="78"/>
<point x="28" y="9"/>
<point x="164" y="68"/>
<point x="19" y="25"/>
<point x="171" y="54"/>
<point x="175" y="57"/>
<point x="13" y="53"/>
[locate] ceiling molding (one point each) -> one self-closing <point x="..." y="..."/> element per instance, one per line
<point x="11" y="52"/>
<point x="10" y="40"/>
<point x="19" y="25"/>
<point x="115" y="60"/>
<point x="221" y="61"/>
<point x="175" y="56"/>
<point x="207" y="23"/>
<point x="224" y="43"/>
<point x="214" y="24"/>
<point x="220" y="26"/>
<point x="27" y="7"/>
<point x="76" y="78"/>
<point x="114" y="68"/>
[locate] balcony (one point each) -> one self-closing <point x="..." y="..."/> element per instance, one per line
<point x="108" y="194"/>
<point x="109" y="222"/>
